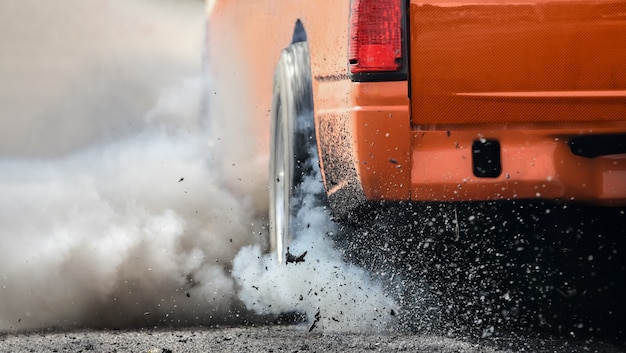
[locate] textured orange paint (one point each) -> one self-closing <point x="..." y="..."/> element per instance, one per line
<point x="529" y="74"/>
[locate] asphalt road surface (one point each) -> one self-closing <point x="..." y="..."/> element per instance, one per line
<point x="274" y="338"/>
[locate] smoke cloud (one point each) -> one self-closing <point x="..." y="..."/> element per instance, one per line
<point x="136" y="231"/>
<point x="332" y="294"/>
<point x="111" y="212"/>
<point x="115" y="210"/>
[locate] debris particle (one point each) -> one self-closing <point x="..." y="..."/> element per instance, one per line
<point x="393" y="161"/>
<point x="317" y="319"/>
<point x="293" y="258"/>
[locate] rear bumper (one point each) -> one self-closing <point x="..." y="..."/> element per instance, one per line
<point x="370" y="151"/>
<point x="535" y="163"/>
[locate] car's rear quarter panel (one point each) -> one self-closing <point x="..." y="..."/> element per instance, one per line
<point x="245" y="39"/>
<point x="530" y="74"/>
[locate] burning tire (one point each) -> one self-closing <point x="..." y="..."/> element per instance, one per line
<point x="293" y="148"/>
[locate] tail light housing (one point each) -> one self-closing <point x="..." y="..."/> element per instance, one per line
<point x="377" y="31"/>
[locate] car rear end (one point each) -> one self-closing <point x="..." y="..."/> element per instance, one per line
<point x="488" y="100"/>
<point x="518" y="100"/>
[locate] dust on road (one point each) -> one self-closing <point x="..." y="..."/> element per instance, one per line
<point x="272" y="338"/>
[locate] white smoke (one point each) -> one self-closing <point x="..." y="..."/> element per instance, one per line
<point x="116" y="233"/>
<point x="111" y="213"/>
<point x="144" y="225"/>
<point x="333" y="295"/>
<point x="143" y="231"/>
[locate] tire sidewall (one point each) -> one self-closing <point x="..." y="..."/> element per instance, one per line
<point x="292" y="138"/>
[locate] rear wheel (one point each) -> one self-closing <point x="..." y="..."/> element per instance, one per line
<point x="292" y="144"/>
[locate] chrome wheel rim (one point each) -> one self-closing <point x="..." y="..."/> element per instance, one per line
<point x="280" y="188"/>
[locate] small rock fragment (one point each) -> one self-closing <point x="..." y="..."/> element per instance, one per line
<point x="317" y="319"/>
<point x="293" y="258"/>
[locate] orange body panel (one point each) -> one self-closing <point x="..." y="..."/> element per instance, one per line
<point x="538" y="61"/>
<point x="244" y="42"/>
<point x="537" y="163"/>
<point x="382" y="129"/>
<point x="530" y="75"/>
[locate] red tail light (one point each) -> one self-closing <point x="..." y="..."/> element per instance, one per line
<point x="375" y="36"/>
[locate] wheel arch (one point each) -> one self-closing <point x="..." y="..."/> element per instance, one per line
<point x="346" y="203"/>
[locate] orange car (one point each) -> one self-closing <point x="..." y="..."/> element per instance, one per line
<point x="430" y="100"/>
